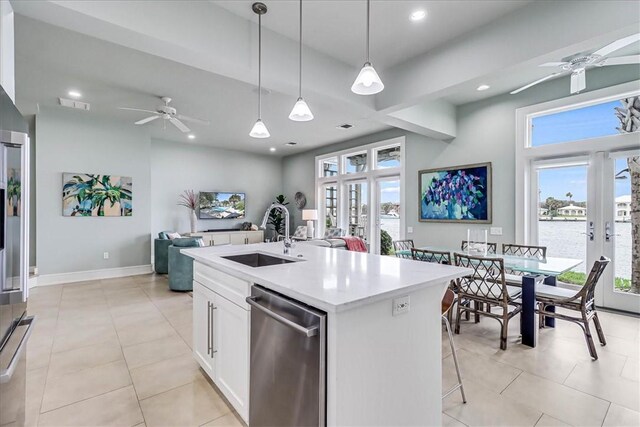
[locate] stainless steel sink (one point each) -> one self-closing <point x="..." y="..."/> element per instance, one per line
<point x="257" y="259"/>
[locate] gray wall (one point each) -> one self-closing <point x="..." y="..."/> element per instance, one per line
<point x="178" y="167"/>
<point x="76" y="141"/>
<point x="485" y="133"/>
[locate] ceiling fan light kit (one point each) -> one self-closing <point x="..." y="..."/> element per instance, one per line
<point x="578" y="64"/>
<point x="301" y="111"/>
<point x="368" y="81"/>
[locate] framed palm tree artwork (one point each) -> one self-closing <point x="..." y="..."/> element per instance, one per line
<point x="96" y="195"/>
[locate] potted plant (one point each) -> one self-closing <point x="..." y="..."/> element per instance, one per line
<point x="189" y="200"/>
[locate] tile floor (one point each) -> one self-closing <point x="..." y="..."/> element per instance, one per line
<point x="117" y="352"/>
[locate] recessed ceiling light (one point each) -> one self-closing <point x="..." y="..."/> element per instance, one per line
<point x="272" y="149"/>
<point x="191" y="136"/>
<point x="74" y="94"/>
<point x="483" y="87"/>
<point x="418" y="15"/>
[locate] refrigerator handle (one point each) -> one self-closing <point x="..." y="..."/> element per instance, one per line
<point x="6" y="374"/>
<point x="309" y="332"/>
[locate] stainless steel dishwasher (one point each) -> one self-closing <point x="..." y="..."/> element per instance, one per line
<point x="288" y="362"/>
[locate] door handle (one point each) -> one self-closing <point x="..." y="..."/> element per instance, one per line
<point x="607" y="232"/>
<point x="591" y="233"/>
<point x="211" y="308"/>
<point x="309" y="332"/>
<point x="7" y="373"/>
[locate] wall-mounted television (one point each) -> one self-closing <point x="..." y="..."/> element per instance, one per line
<point x="221" y="205"/>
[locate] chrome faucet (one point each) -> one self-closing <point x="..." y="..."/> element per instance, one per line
<point x="287" y="240"/>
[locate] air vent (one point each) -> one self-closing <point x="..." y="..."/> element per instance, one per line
<point x="291" y="144"/>
<point x="70" y="103"/>
<point x="344" y="126"/>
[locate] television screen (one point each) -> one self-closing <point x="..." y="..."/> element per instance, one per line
<point x="219" y="205"/>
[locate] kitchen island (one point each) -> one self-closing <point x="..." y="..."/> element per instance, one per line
<point x="383" y="328"/>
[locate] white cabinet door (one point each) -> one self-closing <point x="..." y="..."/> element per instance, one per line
<point x="203" y="325"/>
<point x="255" y="237"/>
<point x="238" y="238"/>
<point x="219" y="239"/>
<point x="232" y="354"/>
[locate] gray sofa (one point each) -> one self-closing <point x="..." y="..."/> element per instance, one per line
<point x="330" y="239"/>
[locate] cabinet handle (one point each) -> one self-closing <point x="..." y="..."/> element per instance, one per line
<point x="209" y="347"/>
<point x="213" y="307"/>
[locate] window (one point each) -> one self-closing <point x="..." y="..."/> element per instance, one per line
<point x="594" y="121"/>
<point x="352" y="187"/>
<point x="388" y="157"/>
<point x="355" y="163"/>
<point x="329" y="167"/>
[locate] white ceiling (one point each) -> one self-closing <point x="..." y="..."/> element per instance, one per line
<point x="51" y="60"/>
<point x="337" y="28"/>
<point x="203" y="55"/>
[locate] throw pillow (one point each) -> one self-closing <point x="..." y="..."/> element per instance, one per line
<point x="173" y="235"/>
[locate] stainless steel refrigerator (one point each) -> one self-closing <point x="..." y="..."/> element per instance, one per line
<point x="15" y="325"/>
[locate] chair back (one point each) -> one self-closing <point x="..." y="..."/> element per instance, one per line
<point x="492" y="248"/>
<point x="439" y="257"/>
<point x="587" y="291"/>
<point x="487" y="282"/>
<point x="447" y="301"/>
<point x="535" y="252"/>
<point x="403" y="245"/>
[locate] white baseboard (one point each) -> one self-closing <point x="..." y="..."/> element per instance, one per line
<point x="82" y="276"/>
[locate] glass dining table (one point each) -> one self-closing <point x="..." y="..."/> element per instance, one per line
<point x="534" y="272"/>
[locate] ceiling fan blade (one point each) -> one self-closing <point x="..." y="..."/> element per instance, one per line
<point x="622" y="60"/>
<point x="578" y="81"/>
<point x="534" y="83"/>
<point x="192" y="119"/>
<point x="177" y="123"/>
<point x="147" y="120"/>
<point x="138" y="109"/>
<point x="618" y="44"/>
<point x="553" y="64"/>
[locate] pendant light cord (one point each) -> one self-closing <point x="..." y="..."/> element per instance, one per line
<point x="368" y="20"/>
<point x="259" y="67"/>
<point x="300" y="56"/>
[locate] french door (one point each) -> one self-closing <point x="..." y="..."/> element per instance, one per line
<point x="585" y="212"/>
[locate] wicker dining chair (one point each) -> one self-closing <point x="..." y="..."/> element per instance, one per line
<point x="492" y="248"/>
<point x="525" y="251"/>
<point x="581" y="301"/>
<point x="439" y="257"/>
<point x="486" y="285"/>
<point x="403" y="246"/>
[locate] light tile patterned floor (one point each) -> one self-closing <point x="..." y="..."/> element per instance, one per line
<point x="117" y="352"/>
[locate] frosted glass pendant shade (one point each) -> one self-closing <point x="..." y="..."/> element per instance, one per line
<point x="368" y="82"/>
<point x="259" y="130"/>
<point x="301" y="112"/>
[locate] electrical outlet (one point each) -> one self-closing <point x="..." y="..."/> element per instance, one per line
<point x="401" y="305"/>
<point x="496" y="231"/>
<point x="409" y="229"/>
<point x="105" y="255"/>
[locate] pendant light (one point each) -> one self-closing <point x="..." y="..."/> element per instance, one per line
<point x="300" y="111"/>
<point x="368" y="82"/>
<point x="259" y="129"/>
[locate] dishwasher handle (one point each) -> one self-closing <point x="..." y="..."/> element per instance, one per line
<point x="7" y="373"/>
<point x="309" y="332"/>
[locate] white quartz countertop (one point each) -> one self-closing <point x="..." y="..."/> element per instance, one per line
<point x="330" y="279"/>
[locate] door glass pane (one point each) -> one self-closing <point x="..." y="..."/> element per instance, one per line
<point x="626" y="258"/>
<point x="388" y="157"/>
<point x="358" y="209"/>
<point x="389" y="211"/>
<point x="329" y="167"/>
<point x="356" y="163"/>
<point x="562" y="217"/>
<point x="331" y="206"/>
<point x="581" y="123"/>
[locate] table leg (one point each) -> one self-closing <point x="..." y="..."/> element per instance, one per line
<point x="528" y="324"/>
<point x="550" y="321"/>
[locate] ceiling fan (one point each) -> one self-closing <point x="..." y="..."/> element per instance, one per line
<point x="167" y="113"/>
<point x="577" y="64"/>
